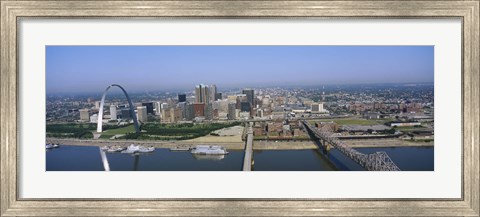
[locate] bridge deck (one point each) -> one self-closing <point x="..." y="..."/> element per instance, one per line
<point x="379" y="161"/>
<point x="247" y="160"/>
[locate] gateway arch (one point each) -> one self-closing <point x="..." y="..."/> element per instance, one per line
<point x="100" y="112"/>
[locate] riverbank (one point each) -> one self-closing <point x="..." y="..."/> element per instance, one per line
<point x="156" y="144"/>
<point x="239" y="145"/>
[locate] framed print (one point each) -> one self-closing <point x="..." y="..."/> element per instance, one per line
<point x="254" y="108"/>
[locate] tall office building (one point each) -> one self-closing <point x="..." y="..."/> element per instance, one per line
<point x="158" y="108"/>
<point x="250" y="96"/>
<point x="175" y="115"/>
<point x="202" y="94"/>
<point x="240" y="98"/>
<point x="208" y="111"/>
<point x="149" y="106"/>
<point x="189" y="112"/>
<point x="142" y="114"/>
<point x="218" y="96"/>
<point x="125" y="113"/>
<point x="213" y="93"/>
<point x="198" y="93"/>
<point x="317" y="107"/>
<point x="245" y="106"/>
<point x="84" y="114"/>
<point x="113" y="112"/>
<point x="182" y="97"/>
<point x="231" y="111"/>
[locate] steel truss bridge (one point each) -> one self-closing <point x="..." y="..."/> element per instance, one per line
<point x="378" y="161"/>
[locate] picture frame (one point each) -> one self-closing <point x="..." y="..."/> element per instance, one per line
<point x="13" y="11"/>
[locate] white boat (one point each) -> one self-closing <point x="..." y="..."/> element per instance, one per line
<point x="132" y="149"/>
<point x="111" y="149"/>
<point x="208" y="149"/>
<point x="49" y="146"/>
<point x="56" y="145"/>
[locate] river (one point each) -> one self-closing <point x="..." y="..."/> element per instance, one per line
<point x="87" y="158"/>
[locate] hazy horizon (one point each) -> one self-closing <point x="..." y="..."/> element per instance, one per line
<point x="82" y="69"/>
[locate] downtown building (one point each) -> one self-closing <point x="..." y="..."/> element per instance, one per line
<point x="250" y="93"/>
<point x="232" y="111"/>
<point x="113" y="112"/>
<point x="149" y="107"/>
<point x="84" y="114"/>
<point x="202" y="93"/>
<point x="142" y="114"/>
<point x="182" y="98"/>
<point x="188" y="112"/>
<point x="205" y="94"/>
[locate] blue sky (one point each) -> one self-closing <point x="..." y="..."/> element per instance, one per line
<point x="137" y="68"/>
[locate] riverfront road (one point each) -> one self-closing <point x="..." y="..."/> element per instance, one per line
<point x="248" y="158"/>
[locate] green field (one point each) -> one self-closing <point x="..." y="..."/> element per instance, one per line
<point x="123" y="130"/>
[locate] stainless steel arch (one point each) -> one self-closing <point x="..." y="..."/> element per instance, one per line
<point x="100" y="112"/>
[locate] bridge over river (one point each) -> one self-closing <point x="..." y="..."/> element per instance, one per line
<point x="379" y="161"/>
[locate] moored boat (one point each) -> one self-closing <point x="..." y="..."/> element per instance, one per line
<point x="208" y="149"/>
<point x="111" y="149"/>
<point x="49" y="146"/>
<point x="132" y="149"/>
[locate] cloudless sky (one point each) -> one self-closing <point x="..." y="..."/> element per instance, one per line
<point x="137" y="68"/>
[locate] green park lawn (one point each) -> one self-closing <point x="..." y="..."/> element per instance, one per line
<point x="118" y="131"/>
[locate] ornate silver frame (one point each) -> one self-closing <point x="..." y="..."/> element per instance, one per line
<point x="11" y="11"/>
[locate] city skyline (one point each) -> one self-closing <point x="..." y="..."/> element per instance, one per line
<point x="73" y="69"/>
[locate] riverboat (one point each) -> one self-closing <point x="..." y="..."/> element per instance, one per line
<point x="132" y="149"/>
<point x="208" y="149"/>
<point x="111" y="149"/>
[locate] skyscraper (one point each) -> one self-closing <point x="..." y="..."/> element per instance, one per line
<point x="213" y="93"/>
<point x="113" y="112"/>
<point x="198" y="93"/>
<point x="231" y="111"/>
<point x="250" y="96"/>
<point x="202" y="94"/>
<point x="142" y="114"/>
<point x="182" y="97"/>
<point x="149" y="106"/>
<point x="205" y="94"/>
